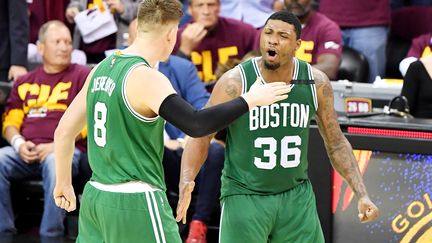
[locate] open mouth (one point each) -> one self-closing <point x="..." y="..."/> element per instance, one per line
<point x="271" y="55"/>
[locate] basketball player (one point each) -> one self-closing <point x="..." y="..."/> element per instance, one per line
<point x="123" y="97"/>
<point x="266" y="194"/>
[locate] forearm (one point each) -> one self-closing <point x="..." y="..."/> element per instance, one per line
<point x="64" y="144"/>
<point x="344" y="162"/>
<point x="10" y="132"/>
<point x="194" y="156"/>
<point x="200" y="123"/>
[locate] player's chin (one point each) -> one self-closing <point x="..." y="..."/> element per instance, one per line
<point x="271" y="65"/>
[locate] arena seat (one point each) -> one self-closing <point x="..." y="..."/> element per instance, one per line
<point x="354" y="66"/>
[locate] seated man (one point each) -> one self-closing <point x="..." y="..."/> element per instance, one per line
<point x="34" y="108"/>
<point x="210" y="39"/>
<point x="321" y="43"/>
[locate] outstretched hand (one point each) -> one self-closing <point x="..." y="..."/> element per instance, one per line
<point x="262" y="94"/>
<point x="185" y="189"/>
<point x="367" y="210"/>
<point x="65" y="198"/>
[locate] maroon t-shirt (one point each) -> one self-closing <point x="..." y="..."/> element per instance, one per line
<point x="357" y="13"/>
<point x="229" y="39"/>
<point x="421" y="46"/>
<point x="44" y="98"/>
<point x="319" y="36"/>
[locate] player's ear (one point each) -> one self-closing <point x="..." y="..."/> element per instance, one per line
<point x="172" y="33"/>
<point x="298" y="44"/>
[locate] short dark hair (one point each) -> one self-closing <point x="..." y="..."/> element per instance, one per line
<point x="289" y="18"/>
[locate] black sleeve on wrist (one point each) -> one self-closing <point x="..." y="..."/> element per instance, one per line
<point x="200" y="123"/>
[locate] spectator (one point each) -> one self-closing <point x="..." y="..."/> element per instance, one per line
<point x="33" y="56"/>
<point x="34" y="108"/>
<point x="14" y="26"/>
<point x="123" y="11"/>
<point x="417" y="87"/>
<point x="365" y="26"/>
<point x="421" y="46"/>
<point x="183" y="76"/>
<point x="209" y="39"/>
<point x="254" y="13"/>
<point x="321" y="43"/>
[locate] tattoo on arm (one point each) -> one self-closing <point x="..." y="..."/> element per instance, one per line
<point x="338" y="148"/>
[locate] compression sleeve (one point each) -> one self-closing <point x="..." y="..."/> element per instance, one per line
<point x="196" y="123"/>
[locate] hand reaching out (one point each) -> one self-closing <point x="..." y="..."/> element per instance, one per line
<point x="262" y="94"/>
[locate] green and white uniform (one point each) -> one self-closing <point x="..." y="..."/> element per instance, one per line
<point x="265" y="191"/>
<point x="123" y="146"/>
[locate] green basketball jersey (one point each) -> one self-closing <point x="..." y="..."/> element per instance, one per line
<point x="122" y="144"/>
<point x="267" y="148"/>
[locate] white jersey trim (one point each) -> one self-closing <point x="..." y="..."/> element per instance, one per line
<point x="126" y="100"/>
<point x="243" y="78"/>
<point x="313" y="87"/>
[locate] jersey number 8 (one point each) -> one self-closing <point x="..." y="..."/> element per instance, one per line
<point x="100" y="114"/>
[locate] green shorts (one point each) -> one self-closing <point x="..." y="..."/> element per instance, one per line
<point x="125" y="217"/>
<point x="286" y="217"/>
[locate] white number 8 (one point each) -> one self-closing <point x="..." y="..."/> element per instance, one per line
<point x="100" y="114"/>
<point x="285" y="151"/>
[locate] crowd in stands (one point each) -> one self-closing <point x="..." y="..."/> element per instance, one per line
<point x="213" y="36"/>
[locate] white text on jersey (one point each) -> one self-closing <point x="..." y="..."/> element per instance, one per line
<point x="275" y="115"/>
<point x="103" y="83"/>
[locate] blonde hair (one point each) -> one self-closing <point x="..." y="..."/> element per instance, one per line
<point x="154" y="14"/>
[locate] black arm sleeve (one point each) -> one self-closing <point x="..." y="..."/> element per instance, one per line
<point x="200" y="123"/>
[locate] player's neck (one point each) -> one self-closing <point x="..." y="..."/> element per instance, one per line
<point x="282" y="74"/>
<point x="149" y="50"/>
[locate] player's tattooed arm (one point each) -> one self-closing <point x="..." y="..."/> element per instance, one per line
<point x="338" y="148"/>
<point x="228" y="87"/>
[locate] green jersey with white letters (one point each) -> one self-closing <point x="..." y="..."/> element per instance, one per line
<point x="122" y="144"/>
<point x="267" y="148"/>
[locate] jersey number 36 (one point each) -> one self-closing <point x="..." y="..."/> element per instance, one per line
<point x="289" y="156"/>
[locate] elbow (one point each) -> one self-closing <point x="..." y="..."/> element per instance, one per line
<point x="198" y="129"/>
<point x="58" y="134"/>
<point x="61" y="134"/>
<point x="197" y="133"/>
